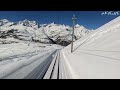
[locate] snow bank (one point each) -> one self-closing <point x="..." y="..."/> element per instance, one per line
<point x="96" y="55"/>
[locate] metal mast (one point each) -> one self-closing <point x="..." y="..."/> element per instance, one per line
<point x="73" y="19"/>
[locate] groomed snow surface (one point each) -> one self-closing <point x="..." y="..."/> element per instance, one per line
<point x="96" y="55"/>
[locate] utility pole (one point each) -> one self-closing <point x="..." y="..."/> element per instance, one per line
<point x="74" y="18"/>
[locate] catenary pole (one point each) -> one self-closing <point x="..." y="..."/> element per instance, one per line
<point x="73" y="19"/>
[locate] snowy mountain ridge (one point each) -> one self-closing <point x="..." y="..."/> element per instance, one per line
<point x="45" y="33"/>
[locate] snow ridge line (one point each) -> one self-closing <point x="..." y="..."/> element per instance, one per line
<point x="51" y="67"/>
<point x="74" y="75"/>
<point x="109" y="23"/>
<point x="55" y="73"/>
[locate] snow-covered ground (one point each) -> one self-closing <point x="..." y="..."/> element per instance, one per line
<point x="20" y="42"/>
<point x="16" y="55"/>
<point x="8" y="50"/>
<point x="96" y="55"/>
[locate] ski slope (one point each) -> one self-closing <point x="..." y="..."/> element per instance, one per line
<point x="96" y="55"/>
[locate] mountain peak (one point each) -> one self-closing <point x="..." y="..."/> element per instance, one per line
<point x="77" y="25"/>
<point x="4" y="20"/>
<point x="52" y="23"/>
<point x="28" y="23"/>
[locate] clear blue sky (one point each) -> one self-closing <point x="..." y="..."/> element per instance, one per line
<point x="89" y="19"/>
